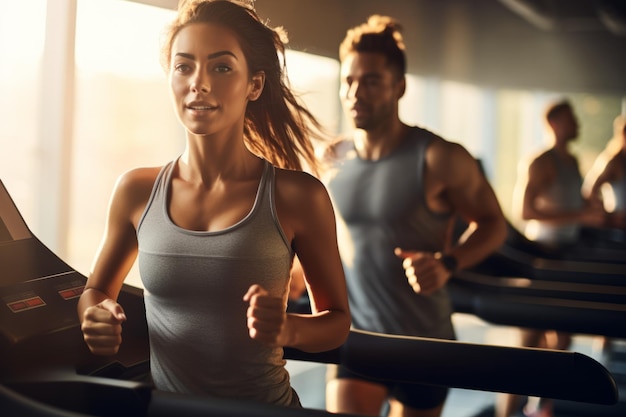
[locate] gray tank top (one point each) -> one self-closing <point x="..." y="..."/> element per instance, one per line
<point x="563" y="195"/>
<point x="383" y="206"/>
<point x="194" y="284"/>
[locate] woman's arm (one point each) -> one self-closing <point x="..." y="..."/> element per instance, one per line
<point x="100" y="316"/>
<point x="308" y="219"/>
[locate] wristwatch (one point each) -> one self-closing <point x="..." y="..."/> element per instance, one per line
<point x="448" y="261"/>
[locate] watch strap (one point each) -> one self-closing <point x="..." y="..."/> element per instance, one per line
<point x="448" y="261"/>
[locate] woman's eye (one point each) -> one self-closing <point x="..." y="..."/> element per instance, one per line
<point x="222" y="68"/>
<point x="181" y="67"/>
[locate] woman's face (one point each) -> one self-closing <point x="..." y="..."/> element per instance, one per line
<point x="209" y="80"/>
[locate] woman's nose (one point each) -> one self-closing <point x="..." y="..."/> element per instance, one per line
<point x="200" y="83"/>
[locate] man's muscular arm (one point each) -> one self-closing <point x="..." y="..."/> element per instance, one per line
<point x="473" y="200"/>
<point x="463" y="190"/>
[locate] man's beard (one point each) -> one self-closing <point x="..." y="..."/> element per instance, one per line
<point x="375" y="119"/>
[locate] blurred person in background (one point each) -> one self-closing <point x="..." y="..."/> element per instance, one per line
<point x="549" y="189"/>
<point x="398" y="191"/>
<point x="549" y="196"/>
<point x="606" y="181"/>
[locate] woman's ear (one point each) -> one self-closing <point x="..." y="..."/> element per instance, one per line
<point x="257" y="82"/>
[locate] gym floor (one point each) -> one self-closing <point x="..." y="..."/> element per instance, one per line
<point x="308" y="378"/>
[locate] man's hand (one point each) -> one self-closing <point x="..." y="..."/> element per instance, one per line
<point x="425" y="273"/>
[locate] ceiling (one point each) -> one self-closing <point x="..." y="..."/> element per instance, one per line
<point x="572" y="15"/>
<point x="565" y="15"/>
<point x="549" y="15"/>
<point x="557" y="45"/>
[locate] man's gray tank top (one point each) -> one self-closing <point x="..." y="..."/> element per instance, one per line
<point x="383" y="206"/>
<point x="564" y="194"/>
<point x="194" y="286"/>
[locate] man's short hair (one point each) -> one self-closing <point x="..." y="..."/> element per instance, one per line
<point x="556" y="109"/>
<point x="380" y="34"/>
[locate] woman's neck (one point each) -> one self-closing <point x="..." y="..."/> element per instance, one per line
<point x="207" y="159"/>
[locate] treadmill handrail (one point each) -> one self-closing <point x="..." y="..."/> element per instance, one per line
<point x="526" y="371"/>
<point x="562" y="265"/>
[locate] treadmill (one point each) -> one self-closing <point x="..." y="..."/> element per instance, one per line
<point x="580" y="291"/>
<point x="47" y="370"/>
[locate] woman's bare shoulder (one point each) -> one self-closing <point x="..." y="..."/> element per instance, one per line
<point x="297" y="181"/>
<point x="136" y="179"/>
<point x="133" y="187"/>
<point x="302" y="202"/>
<point x="300" y="190"/>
